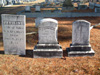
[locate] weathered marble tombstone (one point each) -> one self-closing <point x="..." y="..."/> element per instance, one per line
<point x="97" y="10"/>
<point x="37" y="21"/>
<point x="14" y="34"/>
<point x="37" y="8"/>
<point x="80" y="39"/>
<point x="91" y="5"/>
<point x="27" y="9"/>
<point x="48" y="46"/>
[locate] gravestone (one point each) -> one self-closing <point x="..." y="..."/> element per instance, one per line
<point x="91" y="5"/>
<point x="14" y="34"/>
<point x="37" y="21"/>
<point x="27" y="8"/>
<point x="97" y="10"/>
<point x="37" y="8"/>
<point x="82" y="7"/>
<point x="67" y="5"/>
<point x="80" y="39"/>
<point x="48" y="46"/>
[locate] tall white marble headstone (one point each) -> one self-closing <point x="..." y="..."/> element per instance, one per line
<point x="14" y="34"/>
<point x="80" y="39"/>
<point x="48" y="46"/>
<point x="48" y="31"/>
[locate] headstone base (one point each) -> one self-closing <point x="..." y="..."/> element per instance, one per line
<point x="47" y="51"/>
<point x="75" y="51"/>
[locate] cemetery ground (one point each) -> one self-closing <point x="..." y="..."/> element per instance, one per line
<point x="27" y="65"/>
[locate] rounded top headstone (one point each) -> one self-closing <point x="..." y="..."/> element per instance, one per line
<point x="81" y="32"/>
<point x="48" y="20"/>
<point x="47" y="30"/>
<point x="82" y="21"/>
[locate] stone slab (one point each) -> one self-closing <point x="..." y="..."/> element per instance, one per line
<point x="48" y="46"/>
<point x="14" y="34"/>
<point x="47" y="53"/>
<point x="80" y="48"/>
<point x="80" y="53"/>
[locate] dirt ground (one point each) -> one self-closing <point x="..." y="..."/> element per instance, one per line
<point x="26" y="65"/>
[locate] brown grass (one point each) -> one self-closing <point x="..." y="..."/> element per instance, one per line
<point x="18" y="65"/>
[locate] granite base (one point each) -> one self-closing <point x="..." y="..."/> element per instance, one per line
<point x="80" y="50"/>
<point x="47" y="51"/>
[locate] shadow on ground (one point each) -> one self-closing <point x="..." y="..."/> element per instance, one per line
<point x="29" y="53"/>
<point x="1" y="52"/>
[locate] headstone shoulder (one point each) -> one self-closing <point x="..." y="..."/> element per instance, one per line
<point x="81" y="21"/>
<point x="48" y="20"/>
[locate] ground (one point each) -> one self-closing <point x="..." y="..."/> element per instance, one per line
<point x="26" y="65"/>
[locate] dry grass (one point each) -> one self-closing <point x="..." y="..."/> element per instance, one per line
<point x="19" y="65"/>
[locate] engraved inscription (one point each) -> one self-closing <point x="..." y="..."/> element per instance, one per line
<point x="14" y="34"/>
<point x="48" y="33"/>
<point x="13" y="23"/>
